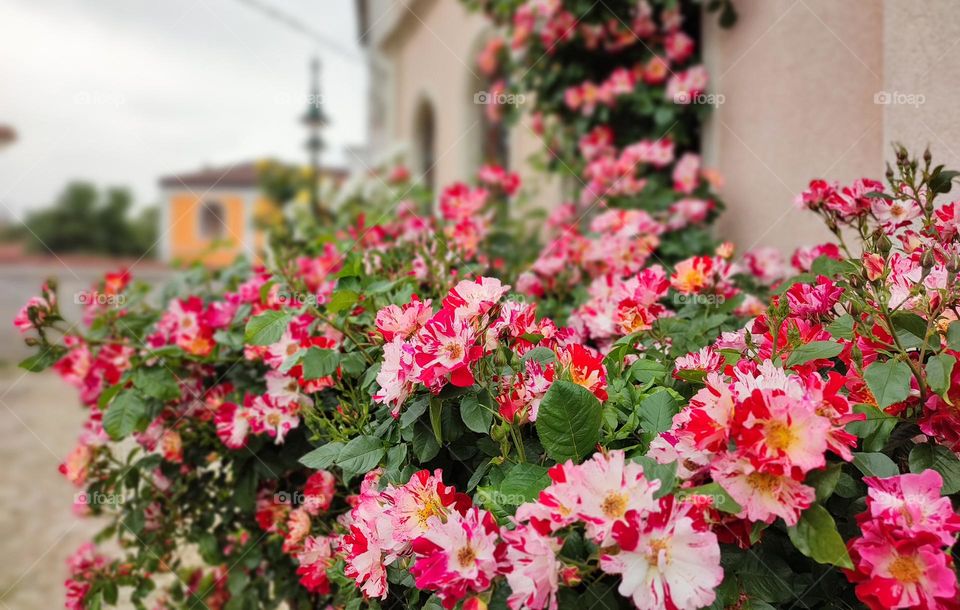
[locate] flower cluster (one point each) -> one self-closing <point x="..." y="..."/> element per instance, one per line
<point x="661" y="548"/>
<point x="780" y="427"/>
<point x="901" y="560"/>
<point x="435" y="349"/>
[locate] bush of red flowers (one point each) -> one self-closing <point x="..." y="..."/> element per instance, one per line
<point x="406" y="412"/>
<point x="383" y="421"/>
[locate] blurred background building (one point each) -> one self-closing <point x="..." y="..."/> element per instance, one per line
<point x="215" y="214"/>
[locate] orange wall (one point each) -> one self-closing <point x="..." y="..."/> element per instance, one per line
<point x="187" y="245"/>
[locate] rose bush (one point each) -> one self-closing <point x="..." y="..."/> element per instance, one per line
<point x="407" y="411"/>
<point x="389" y="427"/>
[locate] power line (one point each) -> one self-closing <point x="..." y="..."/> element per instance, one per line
<point x="302" y="28"/>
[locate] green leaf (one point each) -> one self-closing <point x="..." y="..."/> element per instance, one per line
<point x="237" y="581"/>
<point x="44" y="360"/>
<point x="543" y="355"/>
<point x="107" y="395"/>
<point x="478" y="474"/>
<point x="425" y="445"/>
<point x="342" y="299"/>
<point x="322" y="457"/>
<point x="158" y="382"/>
<point x="654" y="471"/>
<point x="361" y="455"/>
<point x="568" y="422"/>
<point x="267" y="328"/>
<point x="889" y="381"/>
<point x="942" y="181"/>
<point x="875" y="429"/>
<point x="825" y="481"/>
<point x="412" y="413"/>
<point x="875" y="465"/>
<point x="319" y="363"/>
<point x="816" y="536"/>
<point x="475" y="415"/>
<point x="645" y="370"/>
<point x="599" y="595"/>
<point x="842" y="327"/>
<point x="953" y="335"/>
<point x="523" y="483"/>
<point x="941" y="459"/>
<point x="126" y="413"/>
<point x="910" y="328"/>
<point x="692" y="375"/>
<point x="657" y="410"/>
<point x="766" y="578"/>
<point x="815" y="350"/>
<point x="938" y="371"/>
<point x="824" y="265"/>
<point x="353" y="363"/>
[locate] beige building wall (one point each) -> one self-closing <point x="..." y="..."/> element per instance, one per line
<point x="423" y="52"/>
<point x="820" y="89"/>
<point x="798" y="78"/>
<point x="921" y="57"/>
<point x="811" y="89"/>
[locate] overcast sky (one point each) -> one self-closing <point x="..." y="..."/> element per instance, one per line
<point x="121" y="92"/>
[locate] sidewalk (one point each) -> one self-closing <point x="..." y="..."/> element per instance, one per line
<point x="39" y="420"/>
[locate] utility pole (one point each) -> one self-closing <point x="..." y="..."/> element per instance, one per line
<point x="315" y="120"/>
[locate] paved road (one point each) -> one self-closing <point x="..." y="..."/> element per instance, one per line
<point x="39" y="421"/>
<point x="40" y="418"/>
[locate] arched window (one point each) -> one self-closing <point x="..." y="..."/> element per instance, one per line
<point x="212" y="220"/>
<point x="424" y="129"/>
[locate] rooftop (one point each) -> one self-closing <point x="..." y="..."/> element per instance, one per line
<point x="238" y="175"/>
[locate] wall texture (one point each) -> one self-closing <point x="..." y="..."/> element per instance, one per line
<point x="798" y="79"/>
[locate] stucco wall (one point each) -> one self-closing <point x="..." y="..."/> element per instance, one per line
<point x="798" y="79"/>
<point x="429" y="53"/>
<point x="921" y="64"/>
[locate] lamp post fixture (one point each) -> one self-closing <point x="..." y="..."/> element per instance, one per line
<point x="315" y="120"/>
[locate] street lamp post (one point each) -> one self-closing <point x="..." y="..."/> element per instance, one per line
<point x="315" y="120"/>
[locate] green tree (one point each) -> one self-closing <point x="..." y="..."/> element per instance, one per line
<point x="84" y="219"/>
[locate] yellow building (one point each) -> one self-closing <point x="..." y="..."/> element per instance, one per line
<point x="210" y="215"/>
